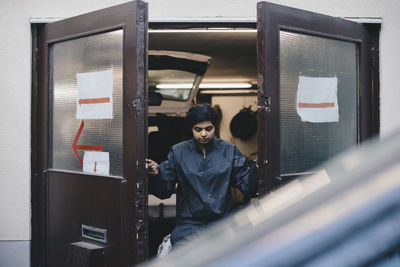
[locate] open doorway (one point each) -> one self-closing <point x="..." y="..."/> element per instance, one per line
<point x="228" y="53"/>
<point x="228" y="81"/>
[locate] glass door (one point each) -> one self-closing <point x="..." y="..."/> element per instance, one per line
<point x="92" y="136"/>
<point x="314" y="90"/>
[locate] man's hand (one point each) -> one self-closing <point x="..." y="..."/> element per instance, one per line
<point x="152" y="167"/>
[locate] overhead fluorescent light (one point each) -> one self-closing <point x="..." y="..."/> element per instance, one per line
<point x="203" y="85"/>
<point x="174" y="85"/>
<point x="225" y="85"/>
<point x="202" y="30"/>
<point x="204" y="19"/>
<point x="229" y="92"/>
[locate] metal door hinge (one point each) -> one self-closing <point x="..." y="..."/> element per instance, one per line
<point x="265" y="103"/>
<point x="137" y="104"/>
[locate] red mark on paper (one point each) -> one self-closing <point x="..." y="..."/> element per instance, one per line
<point x="76" y="147"/>
<point x="95" y="165"/>
<point x="316" y="105"/>
<point x="94" y="100"/>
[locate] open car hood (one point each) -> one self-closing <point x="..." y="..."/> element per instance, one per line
<point x="174" y="78"/>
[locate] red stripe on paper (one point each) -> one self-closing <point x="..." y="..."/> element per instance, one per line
<point x="94" y="100"/>
<point x="316" y="105"/>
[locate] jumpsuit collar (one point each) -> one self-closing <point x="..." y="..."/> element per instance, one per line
<point x="209" y="146"/>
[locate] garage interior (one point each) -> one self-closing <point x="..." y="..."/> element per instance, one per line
<point x="234" y="63"/>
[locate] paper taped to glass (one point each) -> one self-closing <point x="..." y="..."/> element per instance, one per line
<point x="95" y="95"/>
<point x="317" y="99"/>
<point x="96" y="162"/>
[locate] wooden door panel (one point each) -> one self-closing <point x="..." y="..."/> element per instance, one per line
<point x="68" y="197"/>
<point x="75" y="200"/>
<point x="278" y="120"/>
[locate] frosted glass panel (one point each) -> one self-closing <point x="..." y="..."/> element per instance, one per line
<point x="97" y="62"/>
<point x="314" y="73"/>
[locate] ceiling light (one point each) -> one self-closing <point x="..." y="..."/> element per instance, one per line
<point x="202" y="31"/>
<point x="174" y="85"/>
<point x="229" y="92"/>
<point x="225" y="85"/>
<point x="204" y="85"/>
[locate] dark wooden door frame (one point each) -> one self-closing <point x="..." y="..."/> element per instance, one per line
<point x="37" y="254"/>
<point x="271" y="18"/>
<point x="134" y="110"/>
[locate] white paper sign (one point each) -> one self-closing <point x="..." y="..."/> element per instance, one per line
<point x="95" y="95"/>
<point x="317" y="99"/>
<point x="96" y="162"/>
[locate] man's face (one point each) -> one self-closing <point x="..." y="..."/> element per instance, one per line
<point x="203" y="132"/>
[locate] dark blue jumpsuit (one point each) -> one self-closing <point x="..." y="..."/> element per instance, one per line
<point x="203" y="183"/>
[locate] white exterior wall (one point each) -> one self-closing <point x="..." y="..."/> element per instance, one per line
<point x="15" y="75"/>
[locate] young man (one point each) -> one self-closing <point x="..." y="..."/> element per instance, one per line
<point x="204" y="168"/>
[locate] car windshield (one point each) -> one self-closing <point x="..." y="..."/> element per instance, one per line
<point x="174" y="74"/>
<point x="172" y="84"/>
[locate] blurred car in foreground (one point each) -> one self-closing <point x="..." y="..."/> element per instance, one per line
<point x="346" y="214"/>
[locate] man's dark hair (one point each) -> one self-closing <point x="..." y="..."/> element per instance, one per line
<point x="199" y="113"/>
